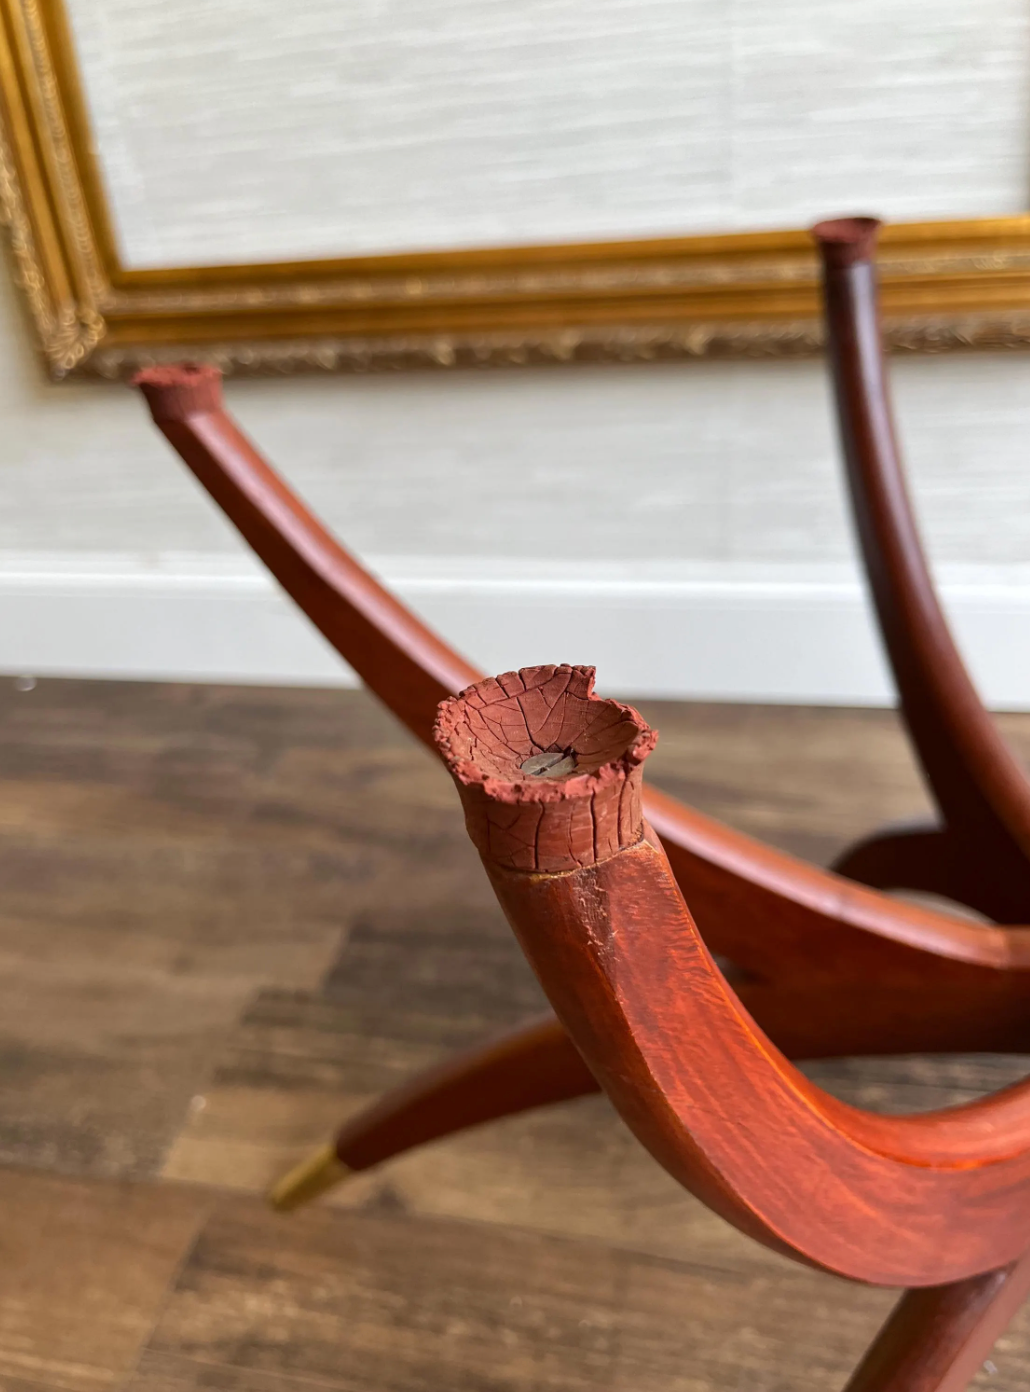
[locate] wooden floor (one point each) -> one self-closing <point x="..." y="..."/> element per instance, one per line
<point x="230" y="916"/>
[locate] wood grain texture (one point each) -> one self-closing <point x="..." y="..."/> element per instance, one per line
<point x="979" y="851"/>
<point x="536" y="1065"/>
<point x="395" y="655"/>
<point x="805" y="779"/>
<point x="388" y="1301"/>
<point x="937" y="1339"/>
<point x="165" y="853"/>
<point x="906" y="1201"/>
<point x="754" y="906"/>
<point x="717" y="1104"/>
<point x="408" y="989"/>
<point x="405" y="992"/>
<point x="83" y="1273"/>
<point x="426" y="967"/>
<point x="528" y="821"/>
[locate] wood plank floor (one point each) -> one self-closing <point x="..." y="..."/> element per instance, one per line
<point x="230" y="916"/>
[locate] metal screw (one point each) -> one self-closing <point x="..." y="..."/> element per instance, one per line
<point x="555" y="763"/>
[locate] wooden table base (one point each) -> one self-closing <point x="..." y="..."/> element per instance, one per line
<point x="696" y="1055"/>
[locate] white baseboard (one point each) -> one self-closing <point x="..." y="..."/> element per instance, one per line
<point x="767" y="633"/>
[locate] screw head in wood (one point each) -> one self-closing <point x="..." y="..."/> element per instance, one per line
<point x="553" y="763"/>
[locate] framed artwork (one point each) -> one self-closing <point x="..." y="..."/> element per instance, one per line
<point x="358" y="184"/>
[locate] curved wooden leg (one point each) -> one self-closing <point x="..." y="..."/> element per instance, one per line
<point x="734" y="884"/>
<point x="935" y="860"/>
<point x="537" y="1064"/>
<point x="981" y="790"/>
<point x="910" y="856"/>
<point x="532" y="1066"/>
<point x="937" y="1337"/>
<point x="919" y="856"/>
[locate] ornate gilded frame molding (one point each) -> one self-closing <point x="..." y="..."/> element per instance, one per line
<point x="945" y="284"/>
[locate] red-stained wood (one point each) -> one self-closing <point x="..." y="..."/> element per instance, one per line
<point x="551" y="779"/>
<point x="915" y="1201"/>
<point x="535" y="1065"/>
<point x="533" y="823"/>
<point x="937" y="1338"/>
<point x="826" y="966"/>
<point x="980" y="854"/>
<point x="396" y="656"/>
<point x="771" y="914"/>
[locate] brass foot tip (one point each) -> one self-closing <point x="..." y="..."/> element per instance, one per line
<point x="306" y="1181"/>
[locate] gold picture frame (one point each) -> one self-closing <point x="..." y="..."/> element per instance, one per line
<point x="946" y="285"/>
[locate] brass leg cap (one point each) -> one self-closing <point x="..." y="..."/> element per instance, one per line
<point x="313" y="1176"/>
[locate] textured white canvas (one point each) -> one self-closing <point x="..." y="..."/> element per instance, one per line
<point x="619" y="504"/>
<point x="247" y="129"/>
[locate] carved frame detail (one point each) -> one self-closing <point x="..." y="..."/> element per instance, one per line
<point x="945" y="285"/>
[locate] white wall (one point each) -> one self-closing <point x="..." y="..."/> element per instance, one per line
<point x="681" y="525"/>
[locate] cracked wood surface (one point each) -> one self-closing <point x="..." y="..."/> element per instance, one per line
<point x="170" y="851"/>
<point x="521" y="820"/>
<point x="913" y="1201"/>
